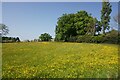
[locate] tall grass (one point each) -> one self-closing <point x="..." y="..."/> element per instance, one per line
<point x="59" y="60"/>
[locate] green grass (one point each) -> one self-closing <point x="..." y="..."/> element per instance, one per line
<point x="59" y="60"/>
<point x="0" y="60"/>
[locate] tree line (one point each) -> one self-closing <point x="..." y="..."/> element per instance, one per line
<point x="82" y="24"/>
<point x="80" y="27"/>
<point x="10" y="39"/>
<point x="4" y="31"/>
<point x="83" y="27"/>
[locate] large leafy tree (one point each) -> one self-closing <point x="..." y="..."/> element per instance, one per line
<point x="91" y="26"/>
<point x="3" y="29"/>
<point x="81" y="22"/>
<point x="69" y="25"/>
<point x="45" y="37"/>
<point x="105" y="15"/>
<point x="65" y="27"/>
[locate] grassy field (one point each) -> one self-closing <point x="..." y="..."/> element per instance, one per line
<point x="59" y="60"/>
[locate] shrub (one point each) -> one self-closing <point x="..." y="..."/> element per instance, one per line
<point x="111" y="37"/>
<point x="72" y="39"/>
<point x="97" y="39"/>
<point x="85" y="38"/>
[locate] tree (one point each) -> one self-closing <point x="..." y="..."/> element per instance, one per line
<point x="3" y="29"/>
<point x="65" y="27"/>
<point x="10" y="39"/>
<point x="98" y="26"/>
<point x="105" y="15"/>
<point x="82" y="22"/>
<point x="91" y="29"/>
<point x="71" y="25"/>
<point x="17" y="39"/>
<point x="45" y="37"/>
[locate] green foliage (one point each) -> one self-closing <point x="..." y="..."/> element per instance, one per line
<point x="83" y="23"/>
<point x="89" y="39"/>
<point x="72" y="39"/>
<point x="72" y="25"/>
<point x="85" y="38"/>
<point x="65" y="27"/>
<point x="82" y="27"/>
<point x="98" y="27"/>
<point x="3" y="29"/>
<point x="105" y="15"/>
<point x="97" y="39"/>
<point x="45" y="37"/>
<point x="112" y="37"/>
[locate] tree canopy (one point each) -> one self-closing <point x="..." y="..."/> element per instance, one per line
<point x="105" y="15"/>
<point x="80" y="23"/>
<point x="45" y="37"/>
<point x="3" y="29"/>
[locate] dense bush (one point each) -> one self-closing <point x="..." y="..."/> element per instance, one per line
<point x="85" y="38"/>
<point x="89" y="39"/>
<point x="98" y="39"/>
<point x="72" y="39"/>
<point x="110" y="37"/>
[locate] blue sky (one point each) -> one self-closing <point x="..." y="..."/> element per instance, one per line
<point x="57" y="0"/>
<point x="28" y="20"/>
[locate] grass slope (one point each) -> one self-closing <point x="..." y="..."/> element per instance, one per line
<point x="59" y="60"/>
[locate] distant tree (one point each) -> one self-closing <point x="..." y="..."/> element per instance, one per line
<point x="105" y="15"/>
<point x="10" y="39"/>
<point x="45" y="37"/>
<point x="17" y="39"/>
<point x="3" y="29"/>
<point x="36" y="40"/>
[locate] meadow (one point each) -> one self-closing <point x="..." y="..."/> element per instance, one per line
<point x="59" y="60"/>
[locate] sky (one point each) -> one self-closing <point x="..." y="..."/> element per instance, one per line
<point x="27" y="20"/>
<point x="57" y="0"/>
